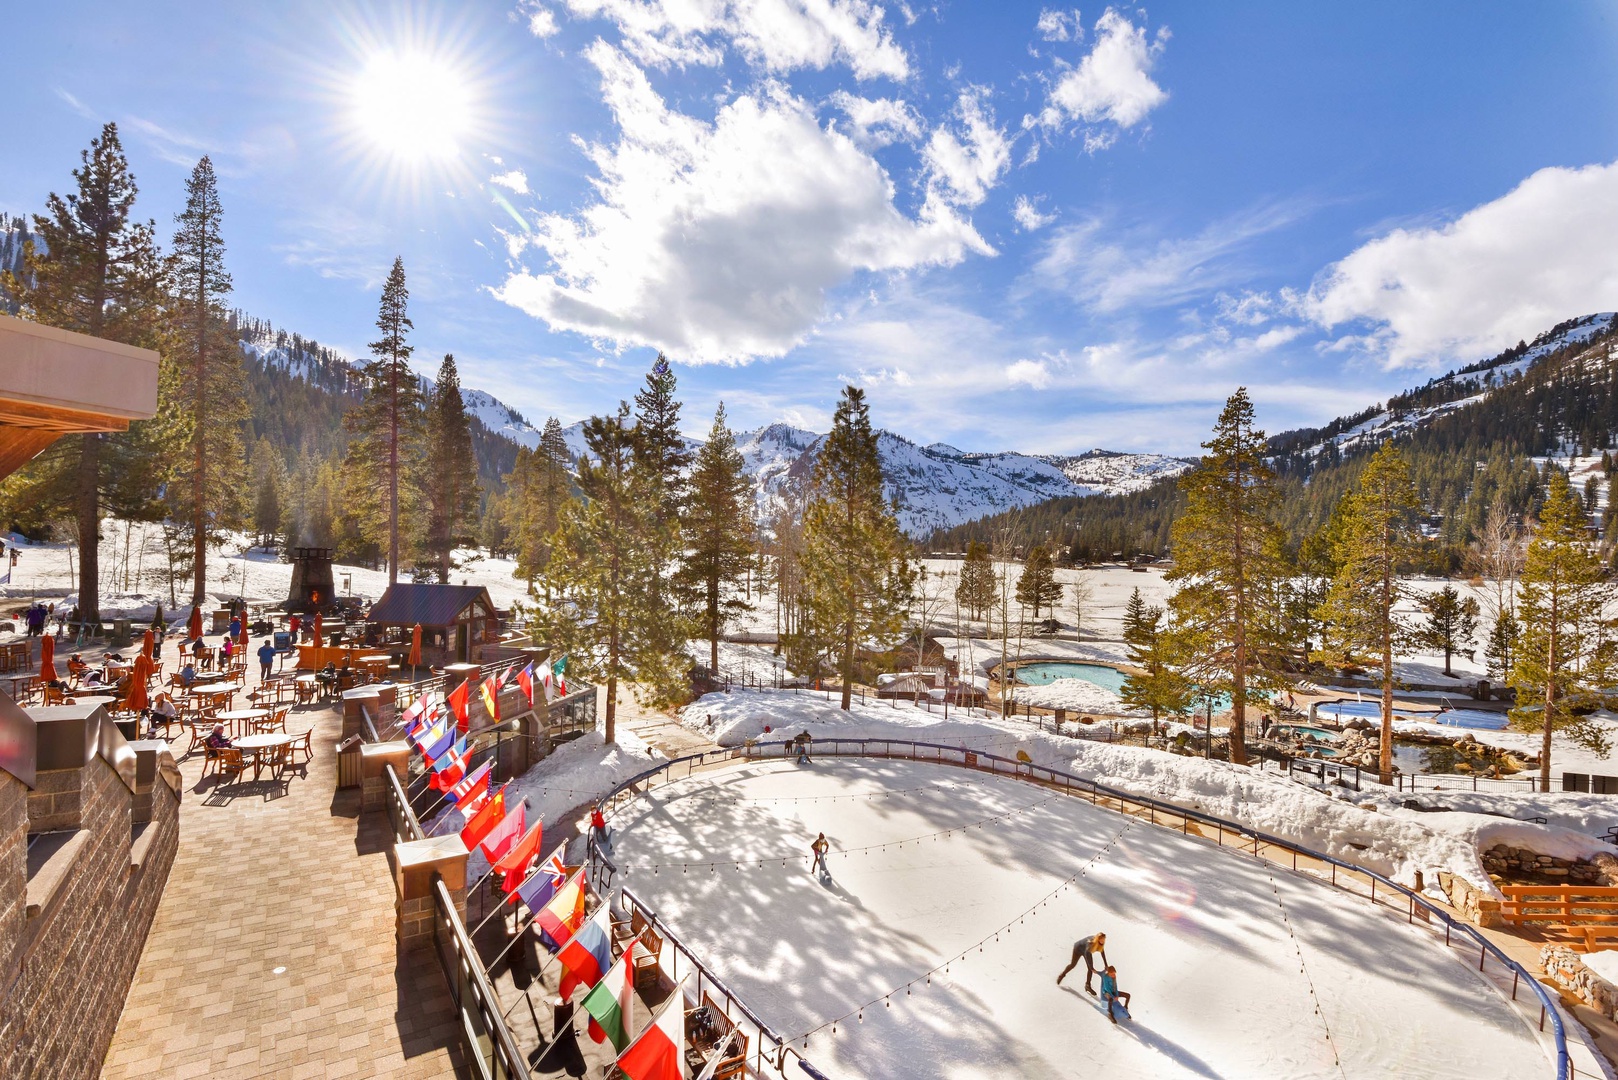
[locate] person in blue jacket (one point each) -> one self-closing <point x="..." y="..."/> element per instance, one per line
<point x="1110" y="992"/>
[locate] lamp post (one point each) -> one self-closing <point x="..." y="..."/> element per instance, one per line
<point x="1207" y="730"/>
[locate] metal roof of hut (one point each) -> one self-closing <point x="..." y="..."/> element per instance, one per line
<point x="408" y="603"/>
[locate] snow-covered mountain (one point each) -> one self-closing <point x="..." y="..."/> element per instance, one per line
<point x="500" y="418"/>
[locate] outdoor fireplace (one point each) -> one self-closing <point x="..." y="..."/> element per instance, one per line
<point x="312" y="588"/>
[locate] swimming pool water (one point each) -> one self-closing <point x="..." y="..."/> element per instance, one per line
<point x="1043" y="674"/>
<point x="1478" y="719"/>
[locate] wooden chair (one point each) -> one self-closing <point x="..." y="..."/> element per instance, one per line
<point x="301" y="745"/>
<point x="279" y="718"/>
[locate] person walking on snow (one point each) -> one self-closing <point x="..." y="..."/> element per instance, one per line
<point x="1110" y="992"/>
<point x="820" y="847"/>
<point x="1086" y="949"/>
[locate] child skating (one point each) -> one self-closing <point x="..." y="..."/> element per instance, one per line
<point x="819" y="849"/>
<point x="1111" y="995"/>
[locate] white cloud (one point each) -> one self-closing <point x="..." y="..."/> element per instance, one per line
<point x="1030" y="373"/>
<point x="775" y="35"/>
<point x="962" y="169"/>
<point x="1499" y="273"/>
<point x="1028" y="216"/>
<point x="1276" y="336"/>
<point x="718" y="241"/>
<point x="876" y="122"/>
<point x="515" y="181"/>
<point x="541" y="21"/>
<point x="1111" y="270"/>
<point x="1058" y="25"/>
<point x="1112" y="84"/>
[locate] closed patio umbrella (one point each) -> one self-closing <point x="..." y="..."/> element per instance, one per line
<point x="415" y="650"/>
<point x="137" y="699"/>
<point x="146" y="641"/>
<point x="195" y="623"/>
<point x="318" y="620"/>
<point x="47" y="659"/>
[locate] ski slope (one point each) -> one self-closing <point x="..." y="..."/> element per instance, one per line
<point x="1201" y="936"/>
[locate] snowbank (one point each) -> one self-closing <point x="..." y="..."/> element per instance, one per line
<point x="1075" y="694"/>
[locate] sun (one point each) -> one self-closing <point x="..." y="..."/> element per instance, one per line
<point x="412" y="106"/>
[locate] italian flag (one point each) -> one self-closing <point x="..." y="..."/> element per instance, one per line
<point x="611" y="1004"/>
<point x="659" y="1052"/>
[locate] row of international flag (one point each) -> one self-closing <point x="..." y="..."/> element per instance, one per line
<point x="554" y="896"/>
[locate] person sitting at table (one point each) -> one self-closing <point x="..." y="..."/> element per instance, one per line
<point x="161" y="714"/>
<point x="120" y="689"/>
<point x="198" y="648"/>
<point x="76" y="667"/>
<point x="188" y="674"/>
<point x="327" y="677"/>
<point x="94" y="677"/>
<point x="217" y="739"/>
<point x="228" y="648"/>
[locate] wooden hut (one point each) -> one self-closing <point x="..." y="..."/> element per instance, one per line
<point x="457" y="621"/>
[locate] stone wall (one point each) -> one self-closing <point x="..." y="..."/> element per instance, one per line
<point x="85" y="911"/>
<point x="1473" y="904"/>
<point x="1568" y="968"/>
<point x="1513" y="864"/>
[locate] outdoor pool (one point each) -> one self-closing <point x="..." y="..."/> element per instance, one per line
<point x="1306" y="732"/>
<point x="1477" y="719"/>
<point x="1045" y="673"/>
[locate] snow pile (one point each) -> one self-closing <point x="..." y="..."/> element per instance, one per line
<point x="576" y="773"/>
<point x="1484" y="831"/>
<point x="1604" y="963"/>
<point x="1591" y="815"/>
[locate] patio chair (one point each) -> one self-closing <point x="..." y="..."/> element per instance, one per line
<point x="301" y="745"/>
<point x="279" y="718"/>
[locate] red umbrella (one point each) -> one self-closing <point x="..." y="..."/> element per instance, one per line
<point x="318" y="620"/>
<point x="146" y="641"/>
<point x="137" y="699"/>
<point x="47" y="659"/>
<point x="415" y="646"/>
<point x="195" y="625"/>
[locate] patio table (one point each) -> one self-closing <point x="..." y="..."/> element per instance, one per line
<point x="258" y="744"/>
<point x="242" y="719"/>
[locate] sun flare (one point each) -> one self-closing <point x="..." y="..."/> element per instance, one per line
<point x="413" y="106"/>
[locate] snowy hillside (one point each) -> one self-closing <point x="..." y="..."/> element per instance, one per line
<point x="500" y="418"/>
<point x="1118" y="474"/>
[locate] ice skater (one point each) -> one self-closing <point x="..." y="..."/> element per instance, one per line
<point x="1111" y="994"/>
<point x="819" y="848"/>
<point x="1086" y="949"/>
<point x="802" y="742"/>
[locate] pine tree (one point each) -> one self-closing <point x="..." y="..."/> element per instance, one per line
<point x="451" y="473"/>
<point x="856" y="564"/>
<point x="1565" y="657"/>
<point x="1228" y="558"/>
<point x="660" y="450"/>
<point x="269" y="482"/>
<point x="976" y="589"/>
<point x="1452" y="623"/>
<point x="95" y="271"/>
<point x="386" y="429"/>
<point x="538" y="487"/>
<point x="606" y="615"/>
<point x="1155" y="685"/>
<point x="1360" y="616"/>
<point x="1037" y="586"/>
<point x="205" y="392"/>
<point x="719" y="533"/>
<point x="1500" y="650"/>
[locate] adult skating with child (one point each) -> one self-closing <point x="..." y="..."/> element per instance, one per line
<point x="1086" y="949"/>
<point x="819" y="848"/>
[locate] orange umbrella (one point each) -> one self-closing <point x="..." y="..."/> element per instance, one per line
<point x="318" y="621"/>
<point x="146" y="642"/>
<point x="195" y="625"/>
<point x="415" y="646"/>
<point x="137" y="699"/>
<point x="47" y="659"/>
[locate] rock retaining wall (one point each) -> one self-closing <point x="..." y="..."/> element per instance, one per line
<point x="1568" y="968"/>
<point x="1510" y="863"/>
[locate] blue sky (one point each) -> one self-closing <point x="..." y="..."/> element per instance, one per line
<point x="1021" y="227"/>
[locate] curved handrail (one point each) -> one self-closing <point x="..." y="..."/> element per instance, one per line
<point x="1031" y="771"/>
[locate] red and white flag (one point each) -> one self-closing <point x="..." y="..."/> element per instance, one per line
<point x="659" y="1053"/>
<point x="504" y="836"/>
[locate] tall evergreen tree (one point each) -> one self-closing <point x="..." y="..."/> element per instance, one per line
<point x="1037" y="586"/>
<point x="386" y="427"/>
<point x="660" y="450"/>
<point x="1500" y="648"/>
<point x="96" y="271"/>
<point x="205" y="393"/>
<point x="1228" y="558"/>
<point x="1155" y="685"/>
<point x="976" y="589"/>
<point x="538" y="486"/>
<point x="1565" y="658"/>
<point x="1360" y="614"/>
<point x="856" y="563"/>
<point x="606" y="614"/>
<point x="451" y="473"/>
<point x="718" y="533"/>
<point x="1452" y="623"/>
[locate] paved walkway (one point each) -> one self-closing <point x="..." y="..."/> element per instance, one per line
<point x="657" y="728"/>
<point x="273" y="949"/>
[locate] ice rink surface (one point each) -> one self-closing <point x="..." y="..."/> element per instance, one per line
<point x="1228" y="958"/>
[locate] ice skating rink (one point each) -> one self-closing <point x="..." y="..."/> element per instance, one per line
<point x="1203" y="937"/>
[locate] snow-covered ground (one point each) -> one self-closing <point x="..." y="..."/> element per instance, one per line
<point x="1367" y="828"/>
<point x="1237" y="968"/>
